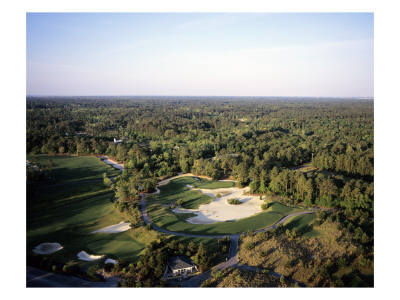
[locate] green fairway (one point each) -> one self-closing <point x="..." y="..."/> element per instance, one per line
<point x="162" y="216"/>
<point x="68" y="213"/>
<point x="74" y="168"/>
<point x="208" y="184"/>
<point x="302" y="224"/>
<point x="177" y="189"/>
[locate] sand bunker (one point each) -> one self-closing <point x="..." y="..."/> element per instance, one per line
<point x="120" y="227"/>
<point x="220" y="210"/>
<point x="84" y="256"/>
<point x="112" y="162"/>
<point x="111" y="261"/>
<point x="47" y="248"/>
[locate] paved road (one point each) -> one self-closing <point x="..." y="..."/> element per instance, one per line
<point x="40" y="278"/>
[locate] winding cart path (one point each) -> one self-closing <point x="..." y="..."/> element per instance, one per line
<point x="232" y="261"/>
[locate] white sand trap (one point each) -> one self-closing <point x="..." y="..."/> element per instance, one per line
<point x="120" y="227"/>
<point x="111" y="162"/>
<point x="111" y="261"/>
<point x="84" y="256"/>
<point x="220" y="210"/>
<point x="47" y="248"/>
<point x="184" y="211"/>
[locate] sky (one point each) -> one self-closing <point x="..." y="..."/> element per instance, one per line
<point x="200" y="54"/>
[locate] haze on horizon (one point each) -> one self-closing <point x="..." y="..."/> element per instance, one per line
<point x="201" y="54"/>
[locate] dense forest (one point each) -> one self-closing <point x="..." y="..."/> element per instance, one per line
<point x="257" y="141"/>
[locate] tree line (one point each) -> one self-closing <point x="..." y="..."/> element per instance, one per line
<point x="255" y="140"/>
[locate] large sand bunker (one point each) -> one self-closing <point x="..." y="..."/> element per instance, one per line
<point x="120" y="227"/>
<point x="47" y="248"/>
<point x="84" y="256"/>
<point x="220" y="210"/>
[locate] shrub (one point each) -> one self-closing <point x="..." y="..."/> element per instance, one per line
<point x="71" y="268"/>
<point x="54" y="268"/>
<point x="219" y="275"/>
<point x="108" y="267"/>
<point x="249" y="245"/>
<point x="92" y="271"/>
<point x="218" y="195"/>
<point x="234" y="201"/>
<point x="179" y="202"/>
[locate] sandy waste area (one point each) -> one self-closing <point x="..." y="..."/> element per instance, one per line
<point x="120" y="227"/>
<point x="219" y="210"/>
<point x="84" y="256"/>
<point x="47" y="248"/>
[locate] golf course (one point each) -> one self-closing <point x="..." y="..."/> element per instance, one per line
<point x="75" y="210"/>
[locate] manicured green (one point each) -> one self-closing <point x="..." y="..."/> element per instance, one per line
<point x="302" y="224"/>
<point x="75" y="168"/>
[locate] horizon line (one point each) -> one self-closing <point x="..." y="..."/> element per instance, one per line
<point x="241" y="96"/>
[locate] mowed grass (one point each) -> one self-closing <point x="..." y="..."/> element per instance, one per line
<point x="74" y="168"/>
<point x="177" y="189"/>
<point x="71" y="226"/>
<point x="161" y="215"/>
<point x="58" y="194"/>
<point x="210" y="184"/>
<point x="303" y="224"/>
<point x="67" y="214"/>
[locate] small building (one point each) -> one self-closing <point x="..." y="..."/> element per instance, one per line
<point x="179" y="266"/>
<point x="117" y="141"/>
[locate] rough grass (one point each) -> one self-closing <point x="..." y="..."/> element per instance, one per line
<point x="303" y="258"/>
<point x="241" y="278"/>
